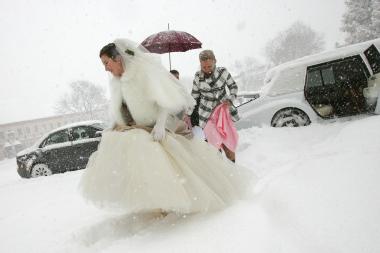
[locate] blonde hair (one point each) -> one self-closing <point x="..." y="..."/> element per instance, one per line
<point x="206" y="55"/>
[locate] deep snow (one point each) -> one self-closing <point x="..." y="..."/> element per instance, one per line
<point x="318" y="191"/>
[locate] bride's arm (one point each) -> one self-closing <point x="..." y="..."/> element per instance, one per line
<point x="158" y="131"/>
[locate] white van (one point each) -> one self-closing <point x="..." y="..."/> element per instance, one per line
<point x="339" y="83"/>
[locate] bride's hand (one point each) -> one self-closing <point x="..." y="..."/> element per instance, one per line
<point x="158" y="132"/>
<point x="187" y="120"/>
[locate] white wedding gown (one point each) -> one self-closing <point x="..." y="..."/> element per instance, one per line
<point x="132" y="173"/>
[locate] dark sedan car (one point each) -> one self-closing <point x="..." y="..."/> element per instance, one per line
<point x="64" y="149"/>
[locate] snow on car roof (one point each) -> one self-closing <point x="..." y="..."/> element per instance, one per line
<point x="75" y="124"/>
<point x="290" y="76"/>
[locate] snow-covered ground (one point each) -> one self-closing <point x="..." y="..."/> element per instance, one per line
<point x="319" y="191"/>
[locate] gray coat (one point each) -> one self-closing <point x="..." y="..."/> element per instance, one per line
<point x="212" y="91"/>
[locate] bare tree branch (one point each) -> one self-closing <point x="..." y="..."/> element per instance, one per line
<point x="297" y="41"/>
<point x="361" y="21"/>
<point x="83" y="96"/>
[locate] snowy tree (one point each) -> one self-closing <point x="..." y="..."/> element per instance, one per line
<point x="375" y="18"/>
<point x="248" y="63"/>
<point x="249" y="73"/>
<point x="361" y="22"/>
<point x="83" y="96"/>
<point x="297" y="41"/>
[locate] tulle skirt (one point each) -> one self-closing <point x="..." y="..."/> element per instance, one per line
<point x="132" y="173"/>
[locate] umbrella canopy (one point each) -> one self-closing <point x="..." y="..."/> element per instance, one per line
<point x="171" y="41"/>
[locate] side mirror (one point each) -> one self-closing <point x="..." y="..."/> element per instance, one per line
<point x="98" y="134"/>
<point x="38" y="152"/>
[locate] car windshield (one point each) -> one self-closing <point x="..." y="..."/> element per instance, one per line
<point x="99" y="125"/>
<point x="57" y="137"/>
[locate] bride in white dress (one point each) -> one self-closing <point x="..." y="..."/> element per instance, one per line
<point x="149" y="162"/>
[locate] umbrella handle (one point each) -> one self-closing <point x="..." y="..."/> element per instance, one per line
<point x="170" y="61"/>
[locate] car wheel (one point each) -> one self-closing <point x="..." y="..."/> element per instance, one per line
<point x="290" y="117"/>
<point x="39" y="170"/>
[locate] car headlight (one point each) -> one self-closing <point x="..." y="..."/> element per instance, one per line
<point x="27" y="160"/>
<point x="22" y="158"/>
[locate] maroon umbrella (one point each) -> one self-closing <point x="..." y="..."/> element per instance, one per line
<point x="170" y="41"/>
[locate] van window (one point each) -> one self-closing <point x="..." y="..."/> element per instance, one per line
<point x="350" y="71"/>
<point x="328" y="76"/>
<point x="314" y="79"/>
<point x="373" y="57"/>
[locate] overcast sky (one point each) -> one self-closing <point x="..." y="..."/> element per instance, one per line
<point x="45" y="45"/>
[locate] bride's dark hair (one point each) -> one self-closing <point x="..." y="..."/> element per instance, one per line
<point x="109" y="50"/>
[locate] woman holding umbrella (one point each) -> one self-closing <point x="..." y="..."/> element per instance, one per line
<point x="149" y="163"/>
